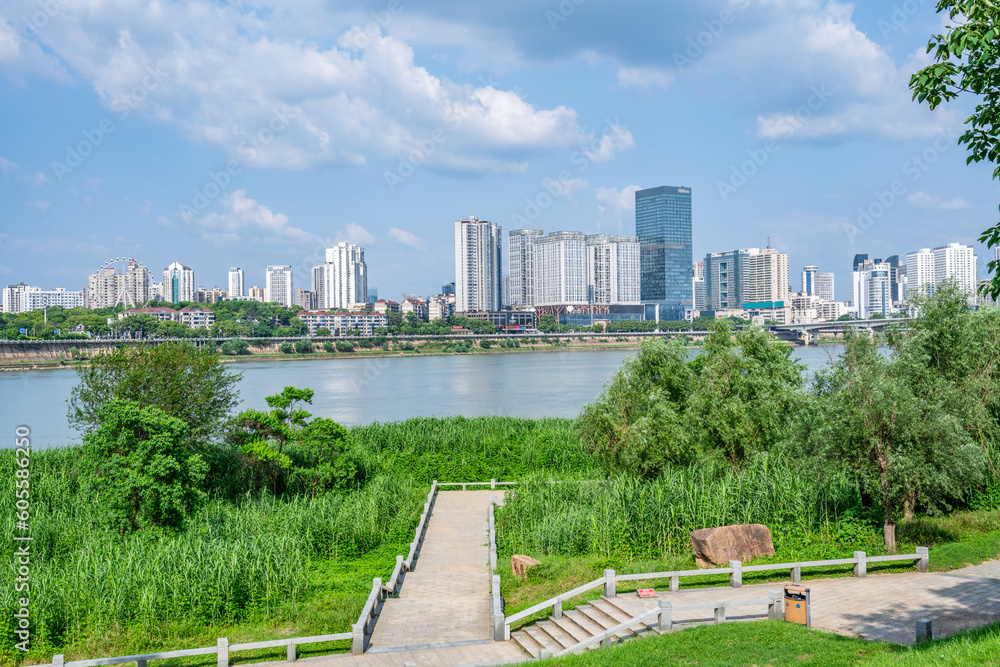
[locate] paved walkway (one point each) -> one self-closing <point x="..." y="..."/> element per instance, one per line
<point x="442" y="610"/>
<point x="442" y="615"/>
<point x="877" y="607"/>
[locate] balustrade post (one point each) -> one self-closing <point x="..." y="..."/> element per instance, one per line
<point x="861" y="566"/>
<point x="610" y="586"/>
<point x="666" y="615"/>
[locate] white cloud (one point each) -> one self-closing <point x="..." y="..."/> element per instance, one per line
<point x="272" y="98"/>
<point x="407" y="238"/>
<point x="146" y="207"/>
<point x="615" y="139"/>
<point x="617" y="207"/>
<point x="565" y="188"/>
<point x="6" y="166"/>
<point x="645" y="78"/>
<point x="40" y="204"/>
<point x="356" y="234"/>
<point x="248" y="220"/>
<point x="925" y="200"/>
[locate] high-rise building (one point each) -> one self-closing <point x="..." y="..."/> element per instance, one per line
<point x="107" y="288"/>
<point x="919" y="272"/>
<point x="663" y="225"/>
<point x="561" y="269"/>
<point x="872" y="289"/>
<point x="699" y="269"/>
<point x="343" y="279"/>
<point x="305" y="299"/>
<point x="521" y="261"/>
<point x="959" y="263"/>
<point x="23" y="298"/>
<point x="809" y="280"/>
<point x="477" y="265"/>
<point x="278" y="285"/>
<point x="372" y="296"/>
<point x="746" y="278"/>
<point x="824" y="286"/>
<point x="178" y="283"/>
<point x="764" y="277"/>
<point x="235" y="282"/>
<point x="613" y="269"/>
<point x="256" y="293"/>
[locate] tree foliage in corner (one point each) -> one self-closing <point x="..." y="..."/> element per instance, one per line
<point x="140" y="468"/>
<point x="184" y="382"/>
<point x="967" y="60"/>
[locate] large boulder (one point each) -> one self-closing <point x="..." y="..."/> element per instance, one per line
<point x="520" y="564"/>
<point x="718" y="546"/>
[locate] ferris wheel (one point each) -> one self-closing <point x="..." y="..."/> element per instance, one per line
<point x="127" y="281"/>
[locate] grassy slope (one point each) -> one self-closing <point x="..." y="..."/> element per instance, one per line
<point x="779" y="643"/>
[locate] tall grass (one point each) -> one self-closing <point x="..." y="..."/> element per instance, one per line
<point x="459" y="449"/>
<point x="232" y="562"/>
<point x="630" y="518"/>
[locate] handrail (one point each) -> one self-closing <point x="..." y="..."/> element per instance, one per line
<point x="597" y="639"/>
<point x="553" y="600"/>
<point x="735" y="572"/>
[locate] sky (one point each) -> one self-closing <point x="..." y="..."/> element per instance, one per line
<point x="239" y="133"/>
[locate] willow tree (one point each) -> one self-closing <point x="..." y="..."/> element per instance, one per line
<point x="901" y="446"/>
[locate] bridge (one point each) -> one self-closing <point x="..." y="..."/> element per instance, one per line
<point x="813" y="331"/>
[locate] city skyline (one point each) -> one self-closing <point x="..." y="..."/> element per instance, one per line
<point x="133" y="148"/>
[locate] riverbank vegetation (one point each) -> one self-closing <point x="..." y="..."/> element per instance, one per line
<point x="176" y="521"/>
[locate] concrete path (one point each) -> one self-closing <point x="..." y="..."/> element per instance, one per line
<point x="877" y="607"/>
<point x="442" y="615"/>
<point x="444" y="601"/>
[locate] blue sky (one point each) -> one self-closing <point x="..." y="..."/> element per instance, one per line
<point x="220" y="133"/>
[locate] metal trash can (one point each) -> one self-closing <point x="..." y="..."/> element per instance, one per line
<point x="797" y="605"/>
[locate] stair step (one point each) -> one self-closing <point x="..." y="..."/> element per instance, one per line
<point x="558" y="635"/>
<point x="584" y="622"/>
<point x="631" y="609"/>
<point x="605" y="621"/>
<point x="543" y="639"/>
<point x="526" y="642"/>
<point x="611" y="611"/>
<point x="572" y="628"/>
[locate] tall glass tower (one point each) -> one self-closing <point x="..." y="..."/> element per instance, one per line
<point x="663" y="225"/>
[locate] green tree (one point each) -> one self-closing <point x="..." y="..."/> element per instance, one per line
<point x="176" y="377"/>
<point x="967" y="61"/>
<point x="326" y="465"/>
<point x="735" y="399"/>
<point x="140" y="469"/>
<point x="900" y="446"/>
<point x="747" y="391"/>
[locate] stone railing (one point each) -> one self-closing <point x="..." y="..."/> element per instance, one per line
<point x="735" y="571"/>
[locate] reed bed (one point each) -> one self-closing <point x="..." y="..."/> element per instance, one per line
<point x="628" y="518"/>
<point x="232" y="562"/>
<point x="460" y="449"/>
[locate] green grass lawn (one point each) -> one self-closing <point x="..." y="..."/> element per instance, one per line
<point x="779" y="643"/>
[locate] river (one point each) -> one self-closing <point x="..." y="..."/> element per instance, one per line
<point x="361" y="391"/>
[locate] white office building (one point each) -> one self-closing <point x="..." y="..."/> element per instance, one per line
<point x="561" y="269"/>
<point x="23" y="298"/>
<point x="613" y="269"/>
<point x="278" y="285"/>
<point x="178" y="283"/>
<point x="235" y="282"/>
<point x="959" y="263"/>
<point x="343" y="279"/>
<point x="919" y="272"/>
<point x="521" y="262"/>
<point x="872" y="289"/>
<point x="478" y="281"/>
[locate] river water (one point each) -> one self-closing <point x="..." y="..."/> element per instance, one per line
<point x="362" y="391"/>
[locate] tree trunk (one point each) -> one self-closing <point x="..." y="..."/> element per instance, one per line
<point x="909" y="501"/>
<point x="889" y="531"/>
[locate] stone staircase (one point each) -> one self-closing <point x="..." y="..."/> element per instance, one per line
<point x="589" y="620"/>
